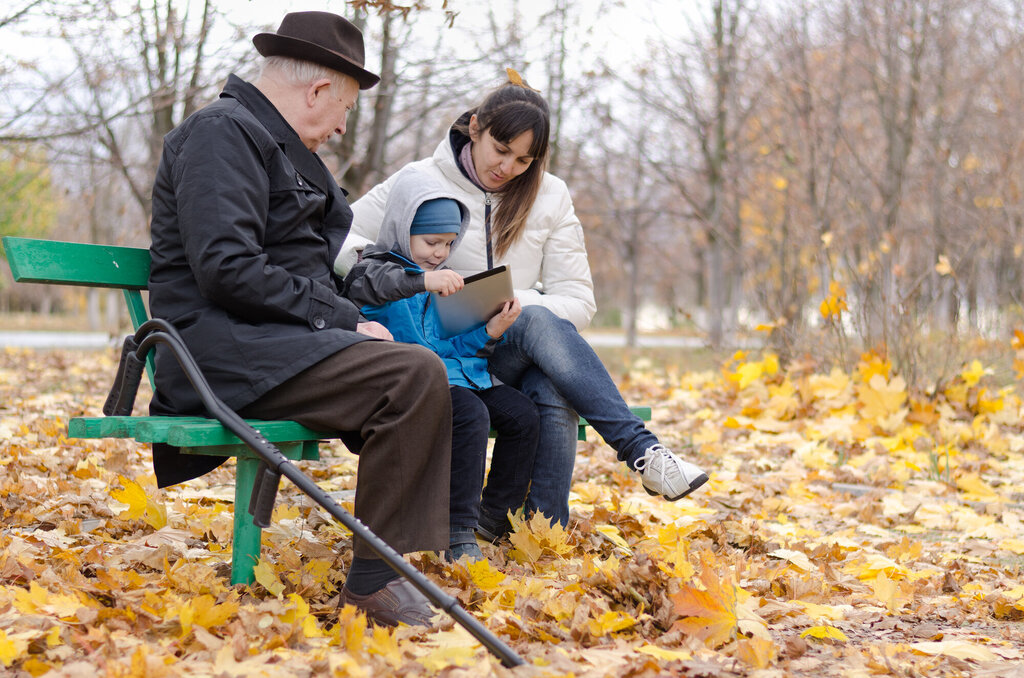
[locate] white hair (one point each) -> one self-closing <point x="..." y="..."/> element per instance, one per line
<point x="301" y="72"/>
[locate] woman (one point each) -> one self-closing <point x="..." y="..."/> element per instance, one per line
<point x="494" y="159"/>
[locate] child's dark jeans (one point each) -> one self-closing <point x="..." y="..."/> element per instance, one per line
<point x="514" y="417"/>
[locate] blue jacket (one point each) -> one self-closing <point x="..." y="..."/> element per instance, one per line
<point x="414" y="320"/>
<point x="388" y="287"/>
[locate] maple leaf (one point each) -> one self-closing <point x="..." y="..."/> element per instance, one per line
<point x="38" y="599"/>
<point x="204" y="611"/>
<point x="534" y="537"/>
<point x="871" y="364"/>
<point x="299" y="616"/>
<point x="887" y="591"/>
<point x="873" y="564"/>
<point x="560" y="608"/>
<point x="133" y="495"/>
<point x="756" y="652"/>
<point x="351" y="629"/>
<point x="882" y="401"/>
<point x="12" y="647"/>
<point x="816" y="611"/>
<point x="975" y="487"/>
<point x="486" y="578"/>
<point x="610" y="622"/>
<point x="140" y="504"/>
<point x="267" y="578"/>
<point x="835" y="303"/>
<point x="824" y="632"/>
<point x="710" y="613"/>
<point x="613" y="535"/>
<point x="972" y="374"/>
<point x="384" y="643"/>
<point x="451" y="648"/>
<point x="797" y="558"/>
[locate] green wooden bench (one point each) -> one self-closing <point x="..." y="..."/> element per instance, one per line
<point x="127" y="269"/>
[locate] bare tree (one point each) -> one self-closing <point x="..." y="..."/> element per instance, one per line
<point x="699" y="95"/>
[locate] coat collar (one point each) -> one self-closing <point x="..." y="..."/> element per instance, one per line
<point x="307" y="163"/>
<point x="446" y="155"/>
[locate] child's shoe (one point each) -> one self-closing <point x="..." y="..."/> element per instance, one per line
<point x="492" y="530"/>
<point x="462" y="542"/>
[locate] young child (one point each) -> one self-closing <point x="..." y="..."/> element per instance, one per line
<point x="422" y="225"/>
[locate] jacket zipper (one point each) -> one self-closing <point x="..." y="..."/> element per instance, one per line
<point x="487" y="229"/>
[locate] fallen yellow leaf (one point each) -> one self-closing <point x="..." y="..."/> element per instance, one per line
<point x="797" y="558"/>
<point x="267" y="578"/>
<point x="824" y="633"/>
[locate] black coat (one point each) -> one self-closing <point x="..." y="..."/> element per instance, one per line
<point x="246" y="224"/>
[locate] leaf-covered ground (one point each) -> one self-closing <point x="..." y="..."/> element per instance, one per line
<point x="849" y="528"/>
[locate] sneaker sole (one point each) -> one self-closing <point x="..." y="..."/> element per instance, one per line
<point x="700" y="480"/>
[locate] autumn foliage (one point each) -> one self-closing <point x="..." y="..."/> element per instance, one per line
<point x="850" y="527"/>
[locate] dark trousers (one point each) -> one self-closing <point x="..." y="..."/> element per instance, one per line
<point x="395" y="396"/>
<point x="515" y="420"/>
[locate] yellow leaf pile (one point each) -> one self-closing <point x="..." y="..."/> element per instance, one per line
<point x="851" y="526"/>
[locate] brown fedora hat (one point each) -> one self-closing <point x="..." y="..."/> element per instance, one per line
<point x="323" y="38"/>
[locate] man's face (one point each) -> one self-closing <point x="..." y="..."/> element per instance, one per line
<point x="328" y="112"/>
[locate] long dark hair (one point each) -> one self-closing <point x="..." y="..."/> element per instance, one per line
<point x="506" y="113"/>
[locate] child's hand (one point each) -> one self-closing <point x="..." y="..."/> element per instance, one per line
<point x="443" y="282"/>
<point x="497" y="325"/>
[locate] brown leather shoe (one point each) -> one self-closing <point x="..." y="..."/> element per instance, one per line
<point x="398" y="602"/>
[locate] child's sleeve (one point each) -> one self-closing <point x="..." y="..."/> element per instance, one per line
<point x="475" y="343"/>
<point x="376" y="281"/>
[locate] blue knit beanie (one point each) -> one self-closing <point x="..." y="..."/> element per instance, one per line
<point x="441" y="215"/>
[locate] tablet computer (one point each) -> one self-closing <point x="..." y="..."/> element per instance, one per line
<point x="482" y="297"/>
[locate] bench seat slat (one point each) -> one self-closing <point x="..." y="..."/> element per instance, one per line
<point x="213" y="433"/>
<point x="117" y="427"/>
<point x="187" y="431"/>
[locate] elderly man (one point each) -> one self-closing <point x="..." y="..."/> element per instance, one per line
<point x="246" y="223"/>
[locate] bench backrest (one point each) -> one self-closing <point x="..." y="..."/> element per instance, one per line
<point x="74" y="263"/>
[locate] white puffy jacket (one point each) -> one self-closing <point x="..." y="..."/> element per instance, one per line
<point x="548" y="263"/>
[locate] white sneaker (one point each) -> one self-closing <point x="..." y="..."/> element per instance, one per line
<point x="666" y="474"/>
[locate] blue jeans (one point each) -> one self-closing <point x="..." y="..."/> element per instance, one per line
<point x="516" y="422"/>
<point x="545" y="357"/>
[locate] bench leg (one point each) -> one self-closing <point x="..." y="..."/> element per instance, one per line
<point x="245" y="544"/>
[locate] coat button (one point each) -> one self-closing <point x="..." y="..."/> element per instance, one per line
<point x="318" y="322"/>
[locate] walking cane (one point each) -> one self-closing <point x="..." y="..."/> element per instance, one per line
<point x="273" y="465"/>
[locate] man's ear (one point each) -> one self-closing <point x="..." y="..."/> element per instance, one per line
<point x="316" y="89"/>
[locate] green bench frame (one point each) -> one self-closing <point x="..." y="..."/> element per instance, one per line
<point x="127" y="268"/>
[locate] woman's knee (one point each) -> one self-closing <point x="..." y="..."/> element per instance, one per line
<point x="540" y="317"/>
<point x="539" y="388"/>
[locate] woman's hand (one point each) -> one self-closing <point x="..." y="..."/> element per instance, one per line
<point x="443" y="282"/>
<point x="497" y="325"/>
